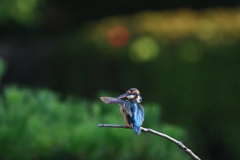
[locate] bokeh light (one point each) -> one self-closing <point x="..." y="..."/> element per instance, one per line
<point x="144" y="49"/>
<point x="118" y="36"/>
<point x="190" y="52"/>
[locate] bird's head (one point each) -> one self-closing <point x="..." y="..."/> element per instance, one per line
<point x="132" y="93"/>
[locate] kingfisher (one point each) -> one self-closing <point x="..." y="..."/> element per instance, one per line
<point x="130" y="107"/>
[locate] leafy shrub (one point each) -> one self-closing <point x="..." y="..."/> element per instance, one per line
<point x="36" y="124"/>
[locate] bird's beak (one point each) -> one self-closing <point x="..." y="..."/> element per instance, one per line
<point x="123" y="96"/>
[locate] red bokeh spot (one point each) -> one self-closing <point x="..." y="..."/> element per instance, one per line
<point x="118" y="36"/>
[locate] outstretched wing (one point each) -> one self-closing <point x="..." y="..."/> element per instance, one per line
<point x="110" y="100"/>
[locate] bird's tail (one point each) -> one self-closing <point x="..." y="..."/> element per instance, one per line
<point x="137" y="129"/>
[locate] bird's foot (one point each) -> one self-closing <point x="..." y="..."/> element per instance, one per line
<point x="127" y="126"/>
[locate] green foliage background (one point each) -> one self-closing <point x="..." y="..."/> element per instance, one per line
<point x="36" y="124"/>
<point x="185" y="60"/>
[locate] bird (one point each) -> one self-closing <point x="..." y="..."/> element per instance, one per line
<point x="130" y="108"/>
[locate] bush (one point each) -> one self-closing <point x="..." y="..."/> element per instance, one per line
<point x="36" y="124"/>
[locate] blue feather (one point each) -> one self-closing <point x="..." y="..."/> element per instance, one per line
<point x="137" y="118"/>
<point x="137" y="113"/>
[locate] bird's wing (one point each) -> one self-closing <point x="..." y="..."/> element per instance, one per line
<point x="141" y="111"/>
<point x="110" y="100"/>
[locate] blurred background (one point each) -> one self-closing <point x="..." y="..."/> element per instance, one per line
<point x="59" y="57"/>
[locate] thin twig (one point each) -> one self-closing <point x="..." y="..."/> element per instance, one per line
<point x="180" y="144"/>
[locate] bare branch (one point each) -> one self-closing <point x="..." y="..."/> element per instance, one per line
<point x="180" y="144"/>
